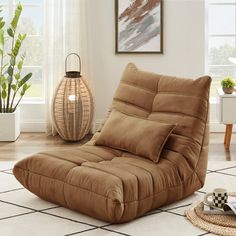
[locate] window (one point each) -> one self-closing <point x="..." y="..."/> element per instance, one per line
<point x="221" y="40"/>
<point x="31" y="23"/>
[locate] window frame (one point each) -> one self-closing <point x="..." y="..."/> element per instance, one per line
<point x="208" y="36"/>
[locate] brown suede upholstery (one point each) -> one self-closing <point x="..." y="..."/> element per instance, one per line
<point x="138" y="136"/>
<point x="117" y="186"/>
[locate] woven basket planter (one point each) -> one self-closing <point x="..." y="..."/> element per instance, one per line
<point x="73" y="106"/>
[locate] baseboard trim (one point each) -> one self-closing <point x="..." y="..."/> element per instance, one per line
<point x="97" y="124"/>
<point x="215" y="126"/>
<point x="33" y="126"/>
<point x="39" y="126"/>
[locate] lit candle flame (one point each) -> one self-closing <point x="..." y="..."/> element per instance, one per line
<point x="72" y="97"/>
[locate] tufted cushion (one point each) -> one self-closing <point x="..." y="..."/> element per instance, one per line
<point x="118" y="186"/>
<point x="138" y="136"/>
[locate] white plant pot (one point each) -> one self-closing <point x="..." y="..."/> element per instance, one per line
<point x="10" y="125"/>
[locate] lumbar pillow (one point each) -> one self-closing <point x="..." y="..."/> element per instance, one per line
<point x="135" y="135"/>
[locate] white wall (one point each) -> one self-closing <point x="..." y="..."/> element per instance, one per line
<point x="33" y="117"/>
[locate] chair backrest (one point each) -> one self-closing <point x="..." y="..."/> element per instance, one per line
<point x="169" y="99"/>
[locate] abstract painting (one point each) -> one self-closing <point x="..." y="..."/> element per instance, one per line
<point x="139" y="26"/>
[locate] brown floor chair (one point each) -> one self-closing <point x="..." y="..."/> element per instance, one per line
<point x="115" y="185"/>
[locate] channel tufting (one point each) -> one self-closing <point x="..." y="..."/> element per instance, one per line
<point x="117" y="186"/>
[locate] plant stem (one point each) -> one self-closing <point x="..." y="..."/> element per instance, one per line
<point x="1" y="71"/>
<point x="1" y="84"/>
<point x="17" y="103"/>
<point x="13" y="98"/>
<point x="4" y="106"/>
<point x="9" y="85"/>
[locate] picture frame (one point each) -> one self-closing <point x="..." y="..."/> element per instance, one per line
<point x="139" y="26"/>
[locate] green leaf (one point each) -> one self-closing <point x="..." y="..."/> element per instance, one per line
<point x="4" y="94"/>
<point x="4" y="86"/>
<point x="23" y="37"/>
<point x="3" y="79"/>
<point x="12" y="61"/>
<point x="20" y="64"/>
<point x="19" y="6"/>
<point x="16" y="17"/>
<point x="10" y="71"/>
<point x="1" y="37"/>
<point x="2" y="23"/>
<point x="22" y="93"/>
<point x="10" y="32"/>
<point x="17" y="76"/>
<point x="3" y="68"/>
<point x="13" y="86"/>
<point x="16" y="47"/>
<point x="9" y="79"/>
<point x="25" y="87"/>
<point x="24" y="80"/>
<point x="228" y="82"/>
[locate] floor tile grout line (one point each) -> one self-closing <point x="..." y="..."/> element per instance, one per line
<point x="106" y="225"/>
<point x="12" y="190"/>
<point x="83" y="231"/>
<point x="174" y="208"/>
<point x="50" y="208"/>
<point x="28" y="208"/>
<point x="9" y="217"/>
<point x="199" y="191"/>
<point x="66" y="218"/>
<point x="226" y="168"/>
<point x="174" y="213"/>
<point x="10" y="203"/>
<point x="222" y="173"/>
<point x="7" y="173"/>
<point x="114" y="231"/>
<point x="5" y="170"/>
<point x="151" y="213"/>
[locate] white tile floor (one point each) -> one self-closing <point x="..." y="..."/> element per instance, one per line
<point x="24" y="214"/>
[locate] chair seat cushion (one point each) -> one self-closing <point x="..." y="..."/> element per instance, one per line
<point x="111" y="185"/>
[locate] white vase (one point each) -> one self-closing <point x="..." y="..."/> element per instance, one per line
<point x="10" y="125"/>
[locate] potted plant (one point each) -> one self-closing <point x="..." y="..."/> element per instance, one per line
<point x="12" y="84"/>
<point x="228" y="85"/>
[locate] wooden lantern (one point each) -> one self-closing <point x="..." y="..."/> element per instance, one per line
<point x="73" y="105"/>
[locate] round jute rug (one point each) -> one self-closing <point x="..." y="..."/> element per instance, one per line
<point x="217" y="224"/>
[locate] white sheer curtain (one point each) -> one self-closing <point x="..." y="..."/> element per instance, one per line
<point x="65" y="31"/>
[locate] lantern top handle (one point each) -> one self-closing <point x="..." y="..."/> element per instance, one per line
<point x="73" y="74"/>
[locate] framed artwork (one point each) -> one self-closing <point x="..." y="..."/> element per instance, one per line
<point x="139" y="27"/>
